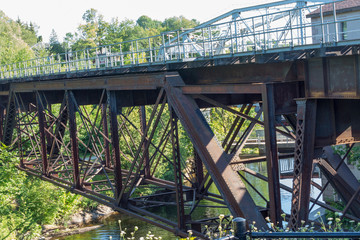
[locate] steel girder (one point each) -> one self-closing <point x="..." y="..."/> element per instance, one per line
<point x="109" y="151"/>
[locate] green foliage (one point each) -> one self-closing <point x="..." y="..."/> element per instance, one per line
<point x="55" y="46"/>
<point x="95" y="31"/>
<point x="353" y="157"/>
<point x="27" y="202"/>
<point x="15" y="39"/>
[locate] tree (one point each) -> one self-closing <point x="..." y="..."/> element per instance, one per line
<point x="55" y="46"/>
<point x="175" y="23"/>
<point x="148" y="23"/>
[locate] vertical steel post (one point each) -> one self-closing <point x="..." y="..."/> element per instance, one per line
<point x="335" y="23"/>
<point x="151" y="54"/>
<point x="73" y="138"/>
<point x="115" y="142"/>
<point x="211" y="45"/>
<point x="106" y="134"/>
<point x="304" y="153"/>
<point x="254" y="34"/>
<point x="142" y="113"/>
<point x="10" y="120"/>
<point x="322" y="25"/>
<point x="41" y="119"/>
<point x="271" y="153"/>
<point x="177" y="170"/>
<point x="164" y="49"/>
<point x="121" y="56"/>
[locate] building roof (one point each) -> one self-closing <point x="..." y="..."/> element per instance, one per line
<point x="341" y="7"/>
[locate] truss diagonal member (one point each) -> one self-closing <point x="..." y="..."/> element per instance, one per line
<point x="341" y="179"/>
<point x="234" y="130"/>
<point x="212" y="154"/>
<point x="242" y="115"/>
<point x="41" y="119"/>
<point x="10" y="120"/>
<point x="238" y="128"/>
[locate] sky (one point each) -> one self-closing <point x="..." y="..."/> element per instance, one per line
<point x="65" y="15"/>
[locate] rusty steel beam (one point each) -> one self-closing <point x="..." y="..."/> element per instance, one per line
<point x="242" y="73"/>
<point x="304" y="154"/>
<point x="142" y="115"/>
<point x="213" y="156"/>
<point x="199" y="171"/>
<point x="115" y="142"/>
<point x="227" y="145"/>
<point x="242" y="115"/>
<point x="73" y="138"/>
<point x="244" y="137"/>
<point x="341" y="178"/>
<point x="272" y="154"/>
<point x="323" y="76"/>
<point x="223" y="89"/>
<point x="60" y="127"/>
<point x="121" y="82"/>
<point x="106" y="135"/>
<point x="350" y="202"/>
<point x="336" y="168"/>
<point x="41" y="119"/>
<point x="177" y="171"/>
<point x="232" y="131"/>
<point x="10" y="120"/>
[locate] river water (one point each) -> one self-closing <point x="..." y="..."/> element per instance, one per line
<point x="111" y="229"/>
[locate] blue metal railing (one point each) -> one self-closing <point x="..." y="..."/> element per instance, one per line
<point x="241" y="233"/>
<point x="275" y="30"/>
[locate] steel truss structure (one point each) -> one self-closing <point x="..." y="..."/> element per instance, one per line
<point x="114" y="142"/>
<point x="136" y="135"/>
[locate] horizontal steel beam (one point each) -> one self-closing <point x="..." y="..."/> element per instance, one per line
<point x="121" y="82"/>
<point x="223" y="89"/>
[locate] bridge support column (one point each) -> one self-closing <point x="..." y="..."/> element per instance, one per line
<point x="271" y="153"/>
<point x="106" y="134"/>
<point x="304" y="153"/>
<point x="115" y="142"/>
<point x="41" y="119"/>
<point x="73" y="138"/>
<point x="142" y="113"/>
<point x="177" y="170"/>
<point x="10" y="120"/>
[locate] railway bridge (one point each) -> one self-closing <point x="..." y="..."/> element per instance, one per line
<point x="119" y="123"/>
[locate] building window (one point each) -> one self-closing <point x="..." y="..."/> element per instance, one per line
<point x="343" y="29"/>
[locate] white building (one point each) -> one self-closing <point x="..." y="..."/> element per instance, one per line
<point x="347" y="19"/>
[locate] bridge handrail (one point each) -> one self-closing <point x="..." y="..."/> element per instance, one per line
<point x="246" y="35"/>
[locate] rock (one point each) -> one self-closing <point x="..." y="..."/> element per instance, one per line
<point x="104" y="210"/>
<point x="77" y="220"/>
<point x="85" y="217"/>
<point x="46" y="228"/>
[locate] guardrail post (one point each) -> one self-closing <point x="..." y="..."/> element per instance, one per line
<point x="335" y="24"/>
<point x="322" y="25"/>
<point x="240" y="228"/>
